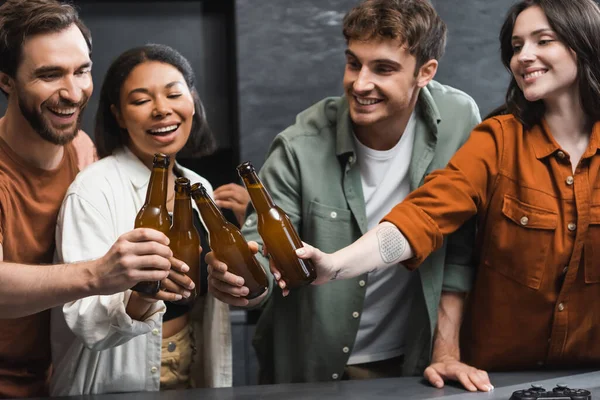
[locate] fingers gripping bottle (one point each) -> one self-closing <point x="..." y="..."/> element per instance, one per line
<point x="229" y="244"/>
<point x="277" y="232"/>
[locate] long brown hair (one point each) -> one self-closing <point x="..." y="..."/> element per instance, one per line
<point x="577" y="24"/>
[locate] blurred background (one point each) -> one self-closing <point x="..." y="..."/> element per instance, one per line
<point x="261" y="62"/>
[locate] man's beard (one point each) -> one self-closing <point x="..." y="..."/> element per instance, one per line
<point x="42" y="126"/>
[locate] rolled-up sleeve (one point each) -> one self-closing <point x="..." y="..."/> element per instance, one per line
<point x="85" y="232"/>
<point x="452" y="195"/>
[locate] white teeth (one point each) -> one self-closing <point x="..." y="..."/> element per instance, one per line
<point x="534" y="74"/>
<point x="63" y="111"/>
<point x="366" y="102"/>
<point x="165" y="129"/>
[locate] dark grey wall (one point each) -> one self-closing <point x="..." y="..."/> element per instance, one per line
<point x="290" y="55"/>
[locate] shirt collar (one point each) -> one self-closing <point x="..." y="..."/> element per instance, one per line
<point x="344" y="139"/>
<point x="544" y="144"/>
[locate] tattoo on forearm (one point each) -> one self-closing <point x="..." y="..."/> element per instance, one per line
<point x="335" y="276"/>
<point x="391" y="244"/>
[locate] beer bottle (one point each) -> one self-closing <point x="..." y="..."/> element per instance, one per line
<point x="153" y="213"/>
<point x="277" y="232"/>
<point x="229" y="244"/>
<point x="183" y="236"/>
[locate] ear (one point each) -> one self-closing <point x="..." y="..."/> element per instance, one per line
<point x="115" y="111"/>
<point x="7" y="83"/>
<point x="426" y="73"/>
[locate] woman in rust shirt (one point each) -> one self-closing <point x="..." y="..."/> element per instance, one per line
<point x="532" y="179"/>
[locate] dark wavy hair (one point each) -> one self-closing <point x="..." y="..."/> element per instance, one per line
<point x="414" y="22"/>
<point x="20" y="19"/>
<point x="577" y="24"/>
<point x="110" y="136"/>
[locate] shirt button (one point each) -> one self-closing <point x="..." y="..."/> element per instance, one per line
<point x="351" y="159"/>
<point x="524" y="221"/>
<point x="153" y="370"/>
<point x="345" y="349"/>
<point x="572" y="226"/>
<point x="560" y="154"/>
<point x="570" y="180"/>
<point x="361" y="283"/>
<point x="561" y="307"/>
<point x="248" y="222"/>
<point x="333" y="215"/>
<point x="355" y="314"/>
<point x="335" y="376"/>
<point x="155" y="332"/>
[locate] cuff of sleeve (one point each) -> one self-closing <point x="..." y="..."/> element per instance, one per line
<point x="264" y="262"/>
<point x="458" y="278"/>
<point x="125" y="325"/>
<point x="419" y="229"/>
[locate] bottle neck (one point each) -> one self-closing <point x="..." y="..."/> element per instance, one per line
<point x="182" y="212"/>
<point x="261" y="200"/>
<point x="211" y="215"/>
<point x="157" y="187"/>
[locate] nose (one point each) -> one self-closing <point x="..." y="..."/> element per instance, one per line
<point x="527" y="54"/>
<point x="161" y="108"/>
<point x="363" y="82"/>
<point x="71" y="92"/>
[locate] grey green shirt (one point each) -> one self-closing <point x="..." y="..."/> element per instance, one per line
<point x="312" y="175"/>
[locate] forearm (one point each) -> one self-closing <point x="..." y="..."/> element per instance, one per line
<point x="381" y="247"/>
<point x="137" y="307"/>
<point x="446" y="338"/>
<point x="29" y="289"/>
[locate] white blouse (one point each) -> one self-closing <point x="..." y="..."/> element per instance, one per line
<point x="96" y="346"/>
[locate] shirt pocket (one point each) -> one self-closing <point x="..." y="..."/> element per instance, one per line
<point x="592" y="252"/>
<point x="521" y="240"/>
<point x="329" y="228"/>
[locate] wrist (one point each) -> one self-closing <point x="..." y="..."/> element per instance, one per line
<point x="444" y="358"/>
<point x="90" y="283"/>
<point x="138" y="306"/>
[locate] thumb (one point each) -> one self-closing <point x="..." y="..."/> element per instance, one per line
<point x="307" y="251"/>
<point x="432" y="375"/>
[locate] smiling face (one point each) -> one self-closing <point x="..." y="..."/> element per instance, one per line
<point x="156" y="110"/>
<point x="542" y="65"/>
<point x="380" y="82"/>
<point x="53" y="83"/>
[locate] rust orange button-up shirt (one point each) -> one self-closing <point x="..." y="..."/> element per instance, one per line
<point x="536" y="299"/>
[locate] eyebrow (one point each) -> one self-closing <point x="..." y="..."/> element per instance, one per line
<point x="55" y="68"/>
<point x="536" y="32"/>
<point x="146" y="91"/>
<point x="348" y="52"/>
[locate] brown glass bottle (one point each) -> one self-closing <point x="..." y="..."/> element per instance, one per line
<point x="153" y="213"/>
<point x="277" y="232"/>
<point x="229" y="244"/>
<point x="183" y="236"/>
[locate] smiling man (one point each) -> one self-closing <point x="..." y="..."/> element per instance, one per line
<point x="45" y="72"/>
<point x="336" y="172"/>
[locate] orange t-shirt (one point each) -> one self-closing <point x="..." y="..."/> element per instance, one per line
<point x="30" y="199"/>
